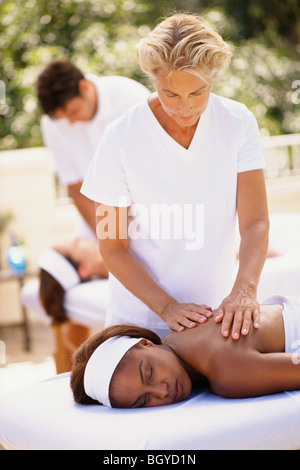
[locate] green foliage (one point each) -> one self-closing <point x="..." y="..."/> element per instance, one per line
<point x="261" y="77"/>
<point x="100" y="36"/>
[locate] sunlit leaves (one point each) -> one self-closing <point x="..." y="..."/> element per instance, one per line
<point x="100" y="36"/>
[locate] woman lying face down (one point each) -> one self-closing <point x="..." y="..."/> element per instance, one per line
<point x="130" y="367"/>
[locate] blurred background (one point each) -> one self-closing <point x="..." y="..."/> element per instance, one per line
<point x="99" y="36"/>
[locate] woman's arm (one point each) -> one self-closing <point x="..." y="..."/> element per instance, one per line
<point x="238" y="308"/>
<point x="112" y="232"/>
<point x="255" y="374"/>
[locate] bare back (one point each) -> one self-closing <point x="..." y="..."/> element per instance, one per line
<point x="196" y="346"/>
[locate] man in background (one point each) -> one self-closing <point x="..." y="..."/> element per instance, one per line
<point x="77" y="110"/>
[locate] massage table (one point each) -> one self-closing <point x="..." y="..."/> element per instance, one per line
<point x="85" y="303"/>
<point x="44" y="416"/>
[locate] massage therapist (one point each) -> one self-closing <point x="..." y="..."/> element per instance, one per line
<point x="169" y="178"/>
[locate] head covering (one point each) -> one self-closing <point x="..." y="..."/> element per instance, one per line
<point x="59" y="268"/>
<point x="102" y="364"/>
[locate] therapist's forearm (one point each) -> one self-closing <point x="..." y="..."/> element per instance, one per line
<point x="85" y="206"/>
<point x="252" y="255"/>
<point x="131" y="273"/>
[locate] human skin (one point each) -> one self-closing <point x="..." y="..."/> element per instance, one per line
<point x="155" y="375"/>
<point x="180" y="100"/>
<point x="81" y="108"/>
<point x="85" y="253"/>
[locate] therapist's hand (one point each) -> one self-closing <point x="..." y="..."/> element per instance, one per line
<point x="179" y="316"/>
<point x="237" y="311"/>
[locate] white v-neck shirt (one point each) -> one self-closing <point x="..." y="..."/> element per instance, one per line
<point x="189" y="246"/>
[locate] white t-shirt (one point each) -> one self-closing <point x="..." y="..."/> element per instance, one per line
<point x="190" y="250"/>
<point x="73" y="145"/>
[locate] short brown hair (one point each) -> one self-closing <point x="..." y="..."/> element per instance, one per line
<point x="57" y="84"/>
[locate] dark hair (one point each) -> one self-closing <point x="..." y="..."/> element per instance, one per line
<point x="52" y="298"/>
<point x="52" y="295"/>
<point x="87" y="348"/>
<point x="58" y="84"/>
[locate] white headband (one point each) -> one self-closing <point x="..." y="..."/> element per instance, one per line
<point x="102" y="364"/>
<point x="60" y="268"/>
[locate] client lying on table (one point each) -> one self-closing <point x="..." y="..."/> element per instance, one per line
<point x="130" y="367"/>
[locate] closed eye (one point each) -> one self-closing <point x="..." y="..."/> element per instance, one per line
<point x="150" y="372"/>
<point x="141" y="402"/>
<point x="144" y="402"/>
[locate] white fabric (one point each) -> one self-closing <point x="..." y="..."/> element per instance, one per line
<point x="73" y="145"/>
<point x="137" y="163"/>
<point x="284" y="233"/>
<point x="102" y="364"/>
<point x="59" y="268"/>
<point x="84" y="304"/>
<point x="280" y="276"/>
<point x="291" y="318"/>
<point x="87" y="303"/>
<point x="44" y="416"/>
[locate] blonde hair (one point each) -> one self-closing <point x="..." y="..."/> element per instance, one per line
<point x="184" y="41"/>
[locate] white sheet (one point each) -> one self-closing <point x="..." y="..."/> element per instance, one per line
<point x="44" y="416"/>
<point x="85" y="303"/>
